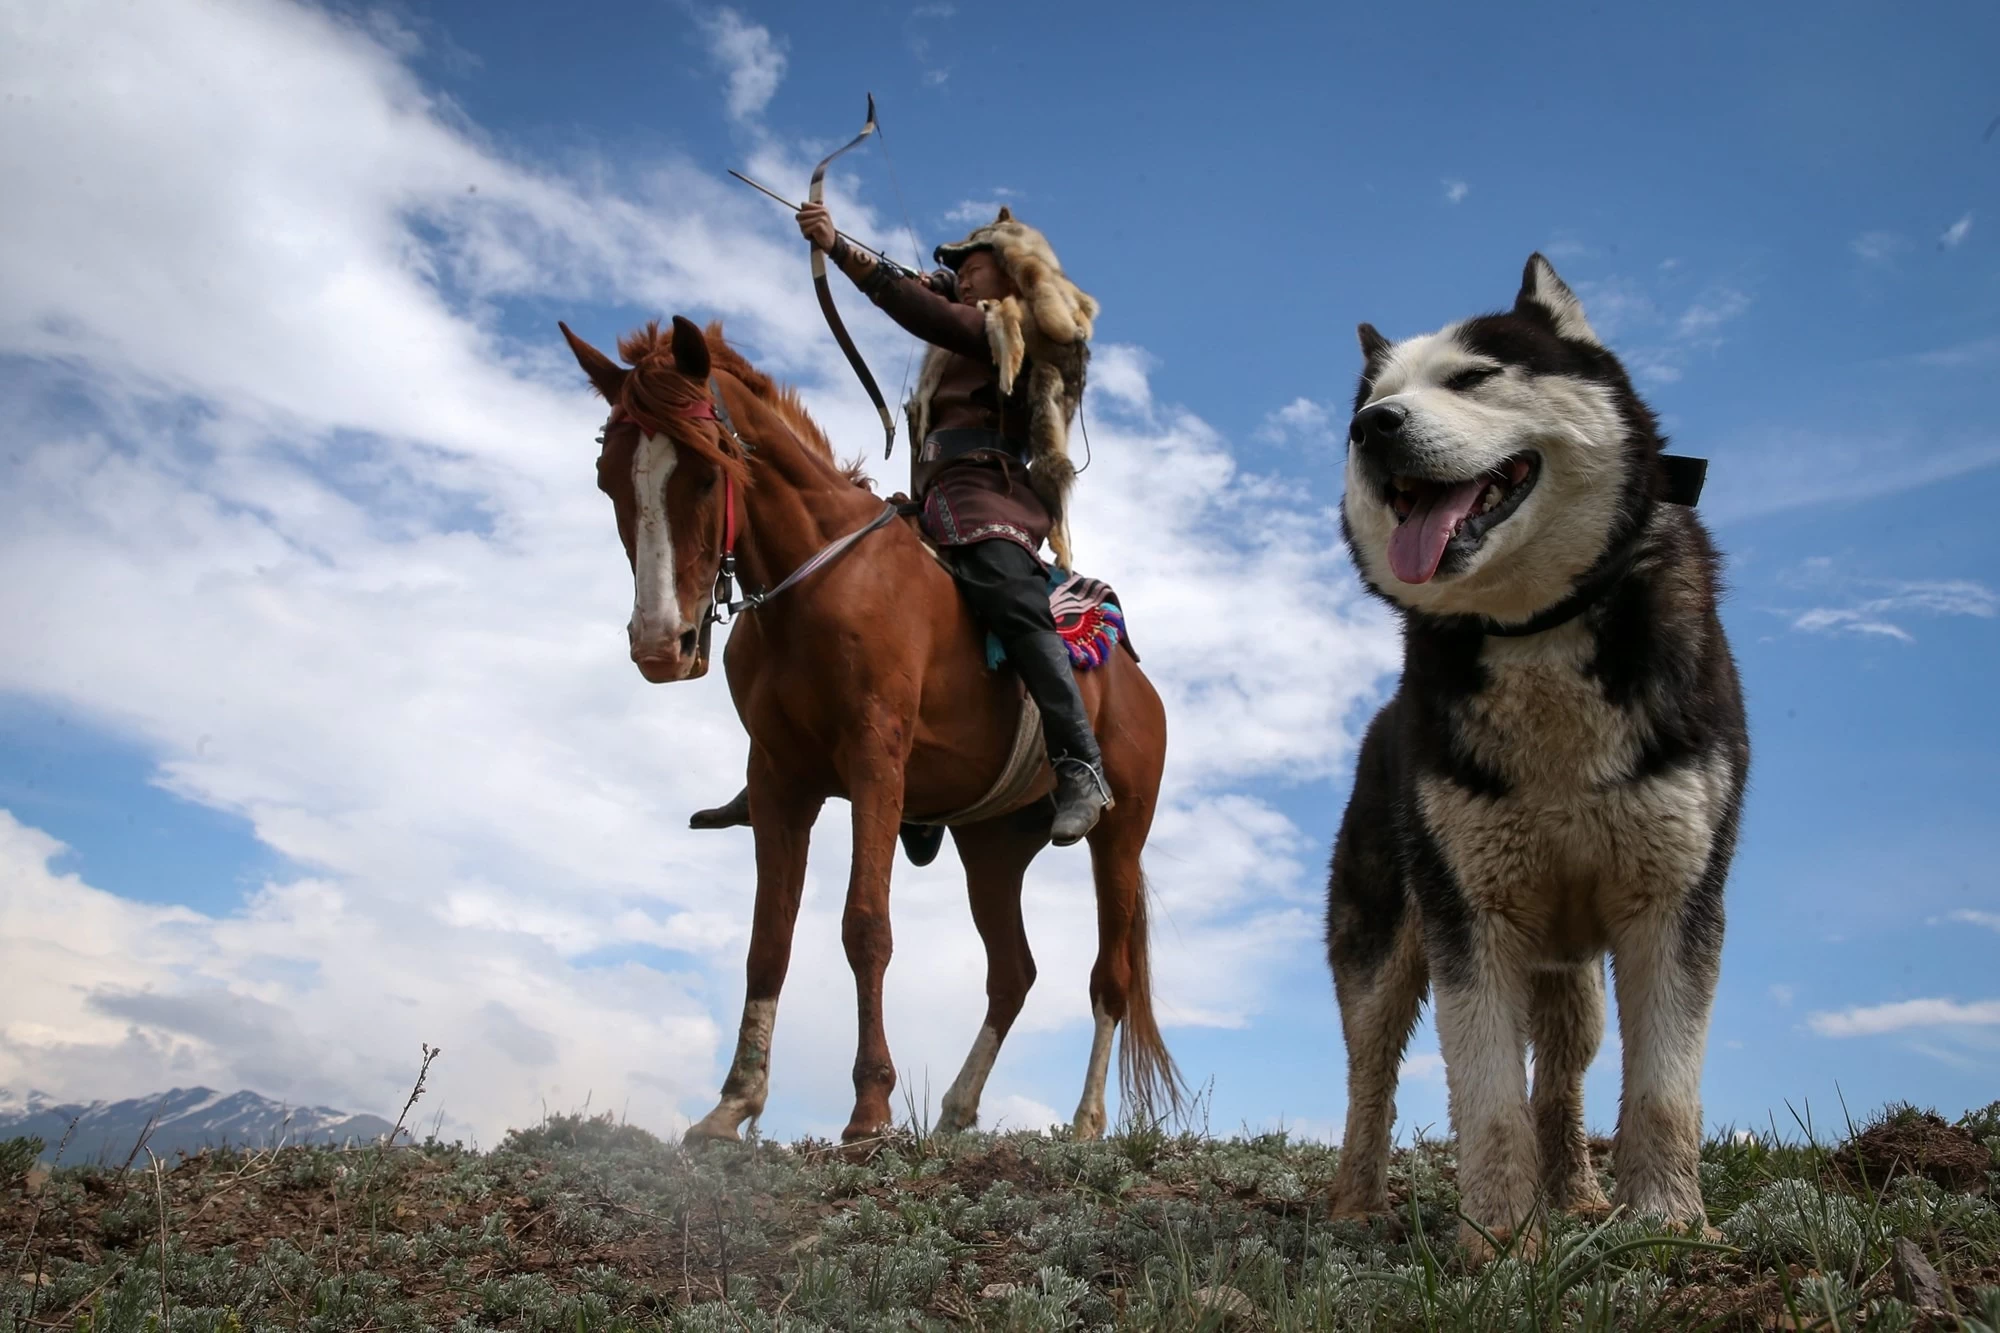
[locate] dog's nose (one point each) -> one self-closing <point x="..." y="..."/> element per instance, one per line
<point x="1379" y="423"/>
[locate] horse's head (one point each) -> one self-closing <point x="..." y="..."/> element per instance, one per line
<point x="662" y="464"/>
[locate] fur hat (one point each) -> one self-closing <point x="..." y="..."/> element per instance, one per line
<point x="1046" y="324"/>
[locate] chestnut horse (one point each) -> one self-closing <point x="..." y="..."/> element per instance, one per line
<point x="867" y="679"/>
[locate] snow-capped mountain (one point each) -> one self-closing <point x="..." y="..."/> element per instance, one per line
<point x="183" y="1121"/>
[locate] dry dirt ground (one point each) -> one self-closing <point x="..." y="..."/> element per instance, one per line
<point x="586" y="1226"/>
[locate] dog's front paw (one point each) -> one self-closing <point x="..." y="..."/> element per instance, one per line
<point x="1524" y="1244"/>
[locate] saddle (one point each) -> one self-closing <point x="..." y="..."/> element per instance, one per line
<point x="1091" y="623"/>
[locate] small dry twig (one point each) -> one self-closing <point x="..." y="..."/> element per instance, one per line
<point x="152" y="1120"/>
<point x="417" y="1090"/>
<point x="423" y="1072"/>
<point x="722" y="1246"/>
<point x="333" y="1192"/>
<point x="242" y="1175"/>
<point x="35" y="1222"/>
<point x="160" y="1192"/>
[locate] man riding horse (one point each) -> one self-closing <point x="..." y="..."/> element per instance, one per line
<point x="1009" y="339"/>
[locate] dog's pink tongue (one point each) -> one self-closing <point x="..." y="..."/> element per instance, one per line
<point x="1417" y="544"/>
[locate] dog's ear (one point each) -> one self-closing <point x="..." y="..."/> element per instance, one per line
<point x="1547" y="297"/>
<point x="1373" y="345"/>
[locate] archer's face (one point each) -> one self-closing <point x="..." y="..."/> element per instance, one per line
<point x="980" y="278"/>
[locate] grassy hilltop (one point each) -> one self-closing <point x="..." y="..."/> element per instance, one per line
<point x="587" y="1226"/>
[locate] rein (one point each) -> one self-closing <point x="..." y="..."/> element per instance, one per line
<point x="724" y="606"/>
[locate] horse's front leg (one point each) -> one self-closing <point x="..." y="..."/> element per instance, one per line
<point x="782" y="823"/>
<point x="875" y="786"/>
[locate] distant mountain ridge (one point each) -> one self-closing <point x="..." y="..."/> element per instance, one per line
<point x="184" y="1120"/>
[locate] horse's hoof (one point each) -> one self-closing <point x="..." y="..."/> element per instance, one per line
<point x="704" y="1132"/>
<point x="1345" y="1203"/>
<point x="863" y="1149"/>
<point x="1087" y="1128"/>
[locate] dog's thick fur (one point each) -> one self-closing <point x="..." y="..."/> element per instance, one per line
<point x="1045" y="325"/>
<point x="1528" y="802"/>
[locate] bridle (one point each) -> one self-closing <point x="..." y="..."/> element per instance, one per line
<point x="723" y="605"/>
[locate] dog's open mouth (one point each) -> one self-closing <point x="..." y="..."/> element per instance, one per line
<point x="1433" y="516"/>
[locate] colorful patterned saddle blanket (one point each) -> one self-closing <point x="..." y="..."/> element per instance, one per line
<point x="1087" y="616"/>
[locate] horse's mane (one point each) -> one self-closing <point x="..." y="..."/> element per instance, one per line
<point x="649" y="351"/>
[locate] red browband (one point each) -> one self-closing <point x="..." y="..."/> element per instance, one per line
<point x="700" y="409"/>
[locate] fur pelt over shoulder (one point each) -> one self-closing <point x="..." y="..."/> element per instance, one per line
<point x="1045" y="327"/>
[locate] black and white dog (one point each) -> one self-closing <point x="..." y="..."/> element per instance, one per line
<point x="1558" y="776"/>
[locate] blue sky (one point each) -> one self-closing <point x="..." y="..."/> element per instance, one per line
<point x="316" y="740"/>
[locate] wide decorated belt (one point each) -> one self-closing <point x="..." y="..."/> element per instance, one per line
<point x="941" y="446"/>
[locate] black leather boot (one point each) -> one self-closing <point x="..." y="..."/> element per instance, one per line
<point x="734" y="813"/>
<point x="921" y="842"/>
<point x="1082" y="794"/>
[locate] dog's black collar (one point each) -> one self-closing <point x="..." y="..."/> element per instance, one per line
<point x="1679" y="483"/>
<point x="1680" y="479"/>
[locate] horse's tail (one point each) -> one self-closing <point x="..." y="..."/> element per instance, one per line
<point x="1149" y="1084"/>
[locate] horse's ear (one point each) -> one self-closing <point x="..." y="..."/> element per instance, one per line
<point x="690" y="349"/>
<point x="606" y="375"/>
<point x="1006" y="214"/>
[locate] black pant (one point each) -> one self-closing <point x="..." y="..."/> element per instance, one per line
<point x="1009" y="596"/>
<point x="1005" y="587"/>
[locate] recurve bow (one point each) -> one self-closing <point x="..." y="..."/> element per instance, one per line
<point x="825" y="292"/>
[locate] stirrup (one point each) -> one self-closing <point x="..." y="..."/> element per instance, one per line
<point x="1097" y="777"/>
<point x="1085" y="806"/>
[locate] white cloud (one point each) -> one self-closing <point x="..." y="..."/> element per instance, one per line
<point x="753" y="60"/>
<point x="1655" y="346"/>
<point x="1950" y="597"/>
<point x="1978" y="352"/>
<point x="1427" y="1065"/>
<point x="1955" y="234"/>
<point x="1302" y="420"/>
<point x="1783" y="995"/>
<point x="285" y="507"/>
<point x="321" y="995"/>
<point x="1014" y="1111"/>
<point x="934" y="74"/>
<point x="1121" y="371"/>
<point x="1970" y="917"/>
<point x="1876" y="1020"/>
<point x="1776" y="469"/>
<point x="1617" y="306"/>
<point x="973" y="212"/>
<point x="1455" y="191"/>
<point x="1699" y="321"/>
<point x="1878" y="247"/>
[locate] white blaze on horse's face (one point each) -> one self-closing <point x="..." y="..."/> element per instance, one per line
<point x="656" y="629"/>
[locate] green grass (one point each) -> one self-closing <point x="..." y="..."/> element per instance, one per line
<point x="586" y="1226"/>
